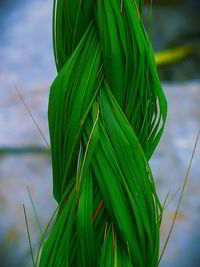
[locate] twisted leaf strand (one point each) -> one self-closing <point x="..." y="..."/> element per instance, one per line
<point x="106" y="115"/>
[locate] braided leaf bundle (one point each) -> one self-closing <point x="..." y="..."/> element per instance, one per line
<point x="106" y="115"/>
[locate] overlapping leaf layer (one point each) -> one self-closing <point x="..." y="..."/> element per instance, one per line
<point x="106" y="115"/>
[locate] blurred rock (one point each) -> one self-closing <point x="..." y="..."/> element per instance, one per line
<point x="175" y="25"/>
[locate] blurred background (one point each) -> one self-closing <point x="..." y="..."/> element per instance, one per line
<point x="26" y="63"/>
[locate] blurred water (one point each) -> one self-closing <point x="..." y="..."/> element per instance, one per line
<point x="169" y="166"/>
<point x="26" y="60"/>
<point x="26" y="47"/>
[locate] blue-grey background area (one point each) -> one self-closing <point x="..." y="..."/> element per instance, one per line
<point x="26" y="62"/>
